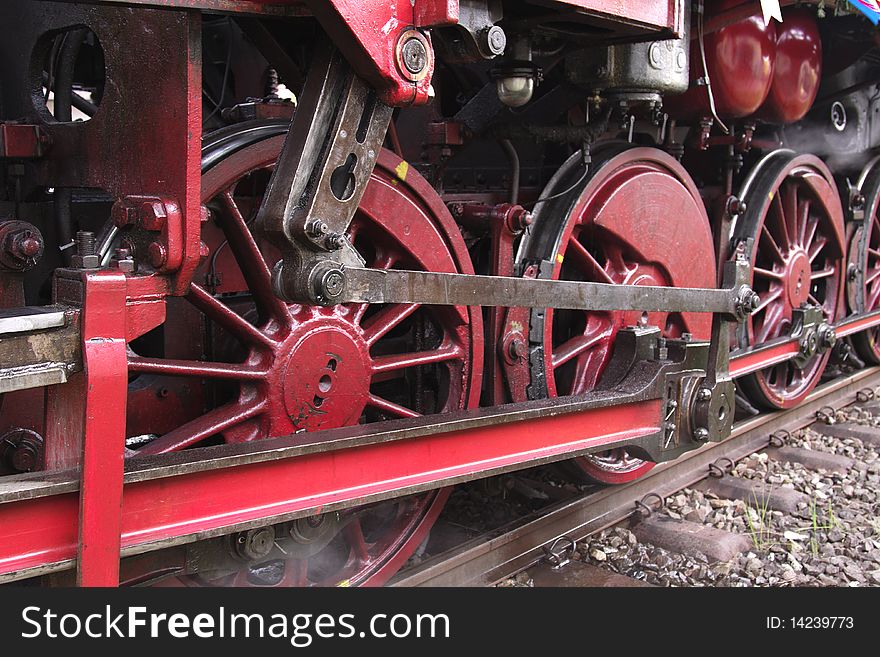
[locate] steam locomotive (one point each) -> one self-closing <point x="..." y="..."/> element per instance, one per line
<point x="275" y="275"/>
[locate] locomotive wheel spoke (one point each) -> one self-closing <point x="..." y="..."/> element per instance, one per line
<point x="803" y="221"/>
<point x="227" y="318"/>
<point x="767" y="298"/>
<point x="823" y="273"/>
<point x="585" y="261"/>
<point x="203" y="427"/>
<point x="383" y="404"/>
<point x="195" y="368"/>
<point x="778" y="214"/>
<point x="765" y="234"/>
<point x="766" y="273"/>
<point x="402" y="361"/>
<point x="789" y="204"/>
<point x="250" y="260"/>
<point x="578" y="345"/>
<point x="377" y="326"/>
<point x="817" y="247"/>
<point x="354" y="533"/>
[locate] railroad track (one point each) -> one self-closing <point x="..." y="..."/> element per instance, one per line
<point x="502" y="553"/>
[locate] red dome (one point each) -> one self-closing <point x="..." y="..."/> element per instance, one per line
<point x="798" y="68"/>
<point x="740" y="60"/>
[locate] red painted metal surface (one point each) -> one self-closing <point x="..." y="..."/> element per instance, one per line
<point x="371" y="35"/>
<point x="740" y="59"/>
<point x="295" y="367"/>
<point x="798" y="258"/>
<point x="104" y="359"/>
<point x="610" y="235"/>
<point x="797" y="68"/>
<point x="43" y="531"/>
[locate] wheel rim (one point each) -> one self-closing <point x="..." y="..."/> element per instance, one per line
<point x="271" y="368"/>
<point x="795" y="223"/>
<point x="597" y="234"/>
<point x="865" y="250"/>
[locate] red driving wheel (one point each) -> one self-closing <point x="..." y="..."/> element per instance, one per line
<point x="864" y="283"/>
<point x="635" y="219"/>
<point x="237" y="364"/>
<point x="793" y="233"/>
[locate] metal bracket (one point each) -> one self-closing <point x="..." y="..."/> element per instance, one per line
<point x="322" y="172"/>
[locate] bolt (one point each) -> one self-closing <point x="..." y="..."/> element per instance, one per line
<point x="86" y="256"/>
<point x="520" y="219"/>
<point x="701" y="434"/>
<point x="747" y="301"/>
<point x="85" y="243"/>
<point x="495" y="40"/>
<point x="158" y="255"/>
<point x="735" y="206"/>
<point x="827" y="336"/>
<point x="316" y="228"/>
<point x="809" y="343"/>
<point x="335" y="241"/>
<point x="414" y="56"/>
<point x="457" y="209"/>
<point x="122" y="260"/>
<point x="516" y="349"/>
<point x="704" y="394"/>
<point x="842" y="351"/>
<point x="852" y="272"/>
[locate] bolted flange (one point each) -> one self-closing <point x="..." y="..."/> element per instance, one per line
<point x="712" y="411"/>
<point x="254" y="544"/>
<point x="21" y="449"/>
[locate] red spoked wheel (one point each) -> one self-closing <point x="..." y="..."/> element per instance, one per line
<point x="863" y="285"/>
<point x="635" y="219"/>
<point x="237" y="364"/>
<point x="793" y="234"/>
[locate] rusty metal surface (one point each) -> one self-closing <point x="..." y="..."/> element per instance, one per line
<point x="38" y="347"/>
<point x="394" y="286"/>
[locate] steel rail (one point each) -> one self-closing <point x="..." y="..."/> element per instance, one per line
<point x="489" y="559"/>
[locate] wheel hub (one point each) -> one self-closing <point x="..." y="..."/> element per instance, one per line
<point x="797" y="278"/>
<point x="326" y="379"/>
